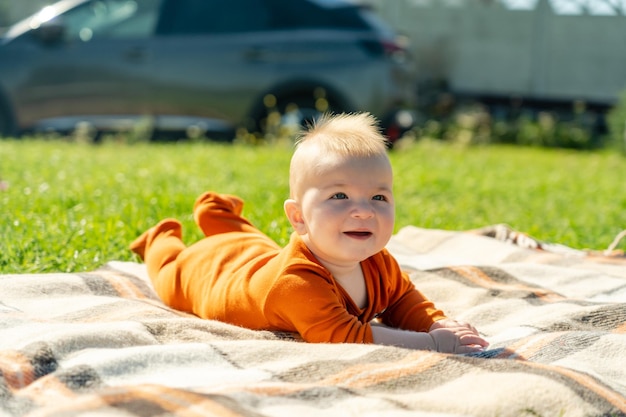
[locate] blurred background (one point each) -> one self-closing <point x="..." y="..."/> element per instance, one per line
<point x="544" y="72"/>
<point x="11" y="10"/>
<point x="565" y="57"/>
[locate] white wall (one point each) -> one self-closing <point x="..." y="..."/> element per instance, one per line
<point x="551" y="49"/>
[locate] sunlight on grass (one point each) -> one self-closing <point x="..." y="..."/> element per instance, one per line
<point x="73" y="207"/>
<point x="570" y="197"/>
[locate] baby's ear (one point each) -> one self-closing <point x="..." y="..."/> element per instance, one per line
<point x="294" y="214"/>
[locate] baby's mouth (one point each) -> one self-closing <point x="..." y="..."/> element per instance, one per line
<point x="358" y="233"/>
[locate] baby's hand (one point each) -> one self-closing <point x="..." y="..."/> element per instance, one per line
<point x="451" y="336"/>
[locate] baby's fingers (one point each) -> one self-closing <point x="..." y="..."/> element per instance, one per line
<point x="473" y="339"/>
<point x="466" y="325"/>
<point x="469" y="349"/>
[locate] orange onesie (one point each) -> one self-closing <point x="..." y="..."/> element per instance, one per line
<point x="240" y="276"/>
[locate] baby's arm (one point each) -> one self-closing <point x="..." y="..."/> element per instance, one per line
<point x="452" y="323"/>
<point x="384" y="335"/>
<point x="447" y="339"/>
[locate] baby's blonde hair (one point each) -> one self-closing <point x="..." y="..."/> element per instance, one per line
<point x="353" y="135"/>
<point x="346" y="134"/>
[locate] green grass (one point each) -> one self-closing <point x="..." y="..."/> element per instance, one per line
<point x="73" y="207"/>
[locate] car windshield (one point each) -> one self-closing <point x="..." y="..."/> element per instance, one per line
<point x="43" y="15"/>
<point x="334" y="3"/>
<point x="84" y="20"/>
<point x="310" y="14"/>
<point x="111" y="18"/>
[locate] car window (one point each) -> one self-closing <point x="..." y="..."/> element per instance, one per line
<point x="111" y="18"/>
<point x="314" y="14"/>
<point x="213" y="17"/>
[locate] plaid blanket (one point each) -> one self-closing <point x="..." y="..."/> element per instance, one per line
<point x="101" y="343"/>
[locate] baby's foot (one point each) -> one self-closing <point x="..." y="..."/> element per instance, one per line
<point x="140" y="244"/>
<point x="210" y="203"/>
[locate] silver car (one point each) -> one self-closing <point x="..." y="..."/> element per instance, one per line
<point x="200" y="65"/>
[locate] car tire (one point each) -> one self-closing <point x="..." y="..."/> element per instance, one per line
<point x="293" y="112"/>
<point x="7" y="124"/>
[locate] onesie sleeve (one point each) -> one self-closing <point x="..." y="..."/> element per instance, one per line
<point x="412" y="311"/>
<point x="309" y="303"/>
<point x="407" y="308"/>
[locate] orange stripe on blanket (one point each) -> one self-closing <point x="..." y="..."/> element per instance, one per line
<point x="372" y="374"/>
<point x="17" y="370"/>
<point x="48" y="390"/>
<point x="614" y="398"/>
<point x="124" y="287"/>
<point x="478" y="277"/>
<point x="528" y="346"/>
<point x="183" y="403"/>
<point x="272" y="389"/>
<point x="177" y="402"/>
<point x="620" y="329"/>
<point x="360" y="376"/>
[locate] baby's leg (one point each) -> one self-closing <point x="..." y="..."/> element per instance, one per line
<point x="220" y="213"/>
<point x="159" y="247"/>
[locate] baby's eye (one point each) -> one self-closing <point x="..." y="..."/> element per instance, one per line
<point x="339" y="196"/>
<point x="379" y="197"/>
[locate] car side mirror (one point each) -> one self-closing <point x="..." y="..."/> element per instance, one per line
<point x="51" y="32"/>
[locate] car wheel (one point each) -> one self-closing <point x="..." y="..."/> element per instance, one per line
<point x="7" y="126"/>
<point x="286" y="115"/>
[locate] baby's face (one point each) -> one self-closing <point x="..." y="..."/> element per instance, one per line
<point x="347" y="208"/>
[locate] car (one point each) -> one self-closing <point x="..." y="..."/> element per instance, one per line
<point x="207" y="66"/>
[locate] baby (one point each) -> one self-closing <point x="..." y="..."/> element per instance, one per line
<point x="334" y="281"/>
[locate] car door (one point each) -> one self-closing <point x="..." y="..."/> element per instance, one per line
<point x="97" y="67"/>
<point x="212" y="58"/>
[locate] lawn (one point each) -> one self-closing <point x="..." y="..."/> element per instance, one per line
<point x="72" y="207"/>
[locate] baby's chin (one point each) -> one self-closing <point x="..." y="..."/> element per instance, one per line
<point x="335" y="260"/>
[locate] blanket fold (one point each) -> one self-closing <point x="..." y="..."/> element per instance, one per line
<point x="102" y="343"/>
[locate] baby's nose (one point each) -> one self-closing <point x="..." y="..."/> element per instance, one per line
<point x="363" y="210"/>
